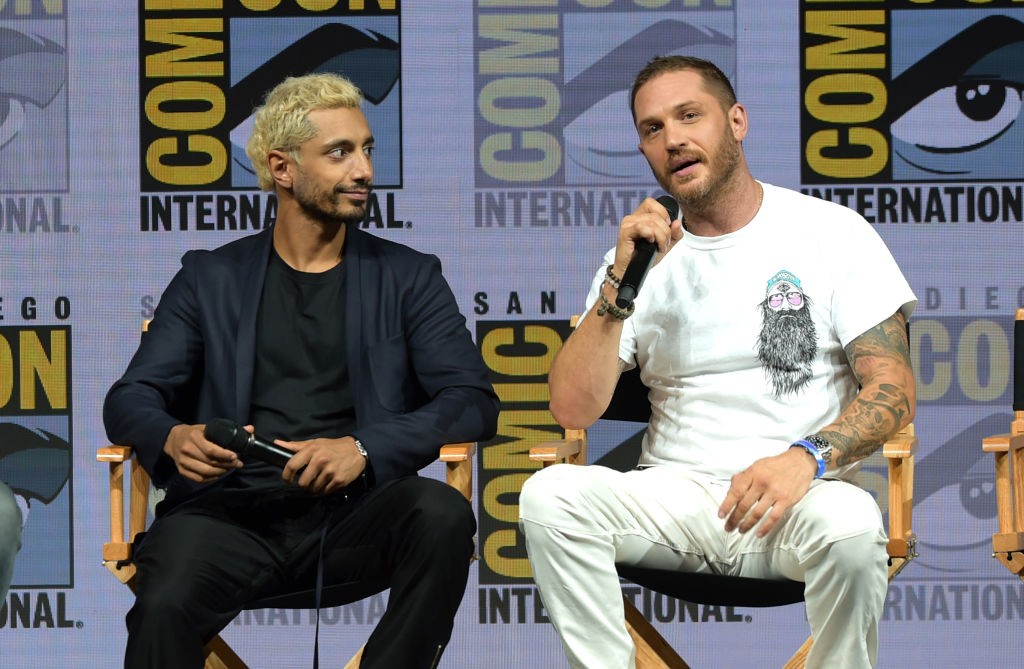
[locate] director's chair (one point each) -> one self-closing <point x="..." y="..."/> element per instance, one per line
<point x="117" y="553"/>
<point x="629" y="403"/>
<point x="1008" y="450"/>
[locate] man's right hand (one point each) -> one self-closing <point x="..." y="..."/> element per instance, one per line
<point x="647" y="222"/>
<point x="196" y="458"/>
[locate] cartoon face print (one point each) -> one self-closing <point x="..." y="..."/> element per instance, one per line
<point x="787" y="343"/>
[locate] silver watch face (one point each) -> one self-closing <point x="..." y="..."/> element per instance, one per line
<point x="823" y="446"/>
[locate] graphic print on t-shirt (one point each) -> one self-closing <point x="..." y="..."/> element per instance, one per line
<point x="788" y="342"/>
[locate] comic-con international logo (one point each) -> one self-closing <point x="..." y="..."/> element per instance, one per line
<point x="552" y="85"/>
<point x="35" y="463"/>
<point x="203" y="71"/>
<point x="912" y="92"/>
<point x="33" y="98"/>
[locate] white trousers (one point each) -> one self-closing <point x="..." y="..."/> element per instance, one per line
<point x="579" y="521"/>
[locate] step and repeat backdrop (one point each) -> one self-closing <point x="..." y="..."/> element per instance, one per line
<point x="505" y="147"/>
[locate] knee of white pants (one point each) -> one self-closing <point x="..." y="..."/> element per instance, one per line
<point x="550" y="495"/>
<point x="830" y="512"/>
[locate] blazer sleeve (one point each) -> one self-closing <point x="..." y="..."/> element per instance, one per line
<point x="442" y="365"/>
<point x="158" y="389"/>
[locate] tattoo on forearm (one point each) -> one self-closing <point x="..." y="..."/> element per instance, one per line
<point x="881" y="360"/>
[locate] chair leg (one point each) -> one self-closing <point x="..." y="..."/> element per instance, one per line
<point x="652" y="651"/>
<point x="800" y="656"/>
<point x="220" y="656"/>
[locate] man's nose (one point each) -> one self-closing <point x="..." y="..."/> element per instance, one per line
<point x="363" y="169"/>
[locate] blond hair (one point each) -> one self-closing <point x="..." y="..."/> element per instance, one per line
<point x="282" y="122"/>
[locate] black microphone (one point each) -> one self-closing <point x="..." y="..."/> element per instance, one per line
<point x="643" y="257"/>
<point x="234" y="437"/>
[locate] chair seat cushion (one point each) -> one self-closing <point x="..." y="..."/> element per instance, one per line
<point x="716" y="589"/>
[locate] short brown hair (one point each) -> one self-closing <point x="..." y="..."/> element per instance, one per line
<point x="714" y="79"/>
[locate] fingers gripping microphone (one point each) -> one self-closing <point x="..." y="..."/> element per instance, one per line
<point x="643" y="257"/>
<point x="233" y="437"/>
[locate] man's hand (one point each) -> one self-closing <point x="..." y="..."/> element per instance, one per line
<point x="330" y="464"/>
<point x="196" y="458"/>
<point x="766" y="489"/>
<point x="650" y="222"/>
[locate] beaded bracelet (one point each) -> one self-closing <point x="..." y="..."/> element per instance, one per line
<point x="609" y="308"/>
<point x="613" y="280"/>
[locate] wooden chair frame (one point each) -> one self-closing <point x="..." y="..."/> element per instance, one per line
<point x="117" y="553"/>
<point x="1008" y="450"/>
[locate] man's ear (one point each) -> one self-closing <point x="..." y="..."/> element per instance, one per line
<point x="738" y="121"/>
<point x="280" y="164"/>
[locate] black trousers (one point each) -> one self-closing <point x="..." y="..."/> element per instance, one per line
<point x="205" y="561"/>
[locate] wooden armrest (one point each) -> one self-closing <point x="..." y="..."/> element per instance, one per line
<point x="458" y="452"/>
<point x="555" y="451"/>
<point x="903" y="445"/>
<point x="458" y="459"/>
<point x="899" y="452"/>
<point x="997" y="443"/>
<point x="119" y="549"/>
<point x="114" y="454"/>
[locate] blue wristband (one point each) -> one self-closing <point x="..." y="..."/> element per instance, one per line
<point x="810" y="448"/>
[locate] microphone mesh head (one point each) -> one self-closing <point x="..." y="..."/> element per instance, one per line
<point x="226" y="434"/>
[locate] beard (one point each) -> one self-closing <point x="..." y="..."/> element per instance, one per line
<point x="325" y="207"/>
<point x="786" y="347"/>
<point x="721" y="169"/>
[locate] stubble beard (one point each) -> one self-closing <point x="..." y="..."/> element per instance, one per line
<point x="706" y="194"/>
<point x="323" y="207"/>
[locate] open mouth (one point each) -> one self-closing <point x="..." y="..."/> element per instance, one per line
<point x="683" y="166"/>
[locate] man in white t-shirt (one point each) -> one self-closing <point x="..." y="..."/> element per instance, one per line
<point x="772" y="336"/>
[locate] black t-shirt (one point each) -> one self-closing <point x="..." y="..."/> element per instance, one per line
<point x="301" y="387"/>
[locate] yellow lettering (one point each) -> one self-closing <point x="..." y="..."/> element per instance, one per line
<point x="6" y="371"/>
<point x="166" y="94"/>
<point x="941" y="374"/>
<point x="183" y="61"/>
<point x="505" y="362"/>
<point x="506" y="566"/>
<point x="847" y="51"/>
<point x="967" y="361"/>
<point x="865" y="85"/>
<point x="523" y="90"/>
<point x="51" y="372"/>
<point x="187" y="175"/>
<point x="878" y="150"/>
<point x="512" y="58"/>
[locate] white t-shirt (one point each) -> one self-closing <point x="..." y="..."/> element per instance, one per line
<point x="740" y="338"/>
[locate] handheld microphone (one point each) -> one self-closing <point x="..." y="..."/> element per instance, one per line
<point x="233" y="437"/>
<point x="643" y="258"/>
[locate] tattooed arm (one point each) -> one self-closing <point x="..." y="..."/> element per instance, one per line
<point x="885" y="404"/>
<point x="881" y="362"/>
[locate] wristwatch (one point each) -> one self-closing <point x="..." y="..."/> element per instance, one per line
<point x="359" y="447"/>
<point x="820" y="448"/>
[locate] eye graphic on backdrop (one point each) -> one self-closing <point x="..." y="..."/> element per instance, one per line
<point x="32" y="70"/>
<point x="600" y="139"/>
<point x="958" y="109"/>
<point x="369" y="59"/>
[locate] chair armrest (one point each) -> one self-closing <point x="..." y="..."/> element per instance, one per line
<point x="572" y="449"/>
<point x="899" y="453"/>
<point x="555" y="451"/>
<point x="118" y="550"/>
<point x="458" y="459"/>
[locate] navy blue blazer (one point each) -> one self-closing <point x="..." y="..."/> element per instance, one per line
<point x="418" y="379"/>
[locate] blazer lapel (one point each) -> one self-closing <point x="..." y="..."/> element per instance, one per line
<point x="251" y="273"/>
